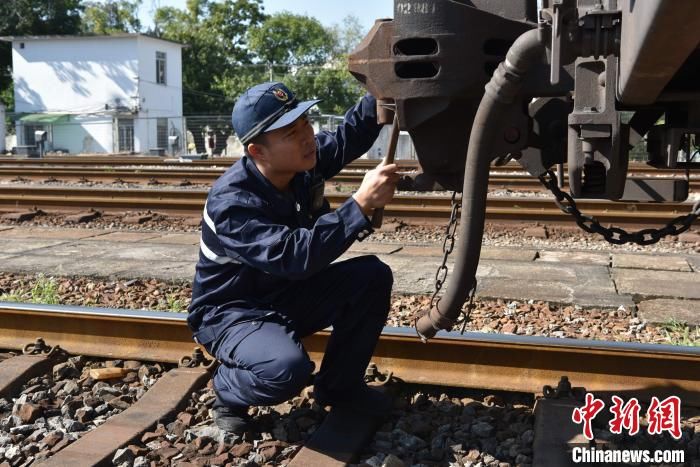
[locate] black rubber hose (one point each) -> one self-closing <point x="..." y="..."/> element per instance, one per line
<point x="501" y="93"/>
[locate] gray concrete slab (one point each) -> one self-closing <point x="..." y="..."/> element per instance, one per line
<point x="127" y="236"/>
<point x="657" y="284"/>
<point x="162" y="270"/>
<point x="503" y="273"/>
<point x="663" y="310"/>
<point x="650" y="262"/>
<point x="585" y="285"/>
<point x="412" y="274"/>
<point x="412" y="250"/>
<point x="62" y="265"/>
<point x="176" y="239"/>
<point x="579" y="257"/>
<point x="366" y="248"/>
<point x="508" y="254"/>
<point x="141" y="251"/>
<point x="55" y="233"/>
<point x="13" y="247"/>
<point x="694" y="261"/>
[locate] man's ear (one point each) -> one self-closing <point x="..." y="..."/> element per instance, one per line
<point x="257" y="151"/>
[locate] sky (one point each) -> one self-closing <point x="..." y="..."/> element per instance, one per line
<point x="328" y="12"/>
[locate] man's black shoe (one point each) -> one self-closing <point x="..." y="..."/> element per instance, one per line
<point x="365" y="399"/>
<point x="232" y="420"/>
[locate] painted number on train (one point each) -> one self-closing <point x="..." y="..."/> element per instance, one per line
<point x="415" y="8"/>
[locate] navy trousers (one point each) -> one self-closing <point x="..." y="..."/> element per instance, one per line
<point x="264" y="363"/>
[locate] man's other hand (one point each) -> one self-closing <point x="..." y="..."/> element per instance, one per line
<point x="377" y="188"/>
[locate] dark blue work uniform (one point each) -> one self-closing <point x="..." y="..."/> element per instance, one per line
<point x="265" y="279"/>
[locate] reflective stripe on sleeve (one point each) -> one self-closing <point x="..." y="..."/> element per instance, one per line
<point x="206" y="251"/>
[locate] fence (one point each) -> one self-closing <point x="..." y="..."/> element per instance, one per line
<point x="111" y="133"/>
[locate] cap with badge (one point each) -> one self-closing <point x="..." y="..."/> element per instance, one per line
<point x="264" y="108"/>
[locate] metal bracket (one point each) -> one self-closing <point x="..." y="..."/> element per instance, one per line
<point x="376" y="377"/>
<point x="564" y="390"/>
<point x="39" y="347"/>
<point x="198" y="359"/>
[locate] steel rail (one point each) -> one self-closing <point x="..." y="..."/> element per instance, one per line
<point x="200" y="176"/>
<point x="204" y="176"/>
<point x="472" y="360"/>
<point x="191" y="202"/>
<point x="225" y="162"/>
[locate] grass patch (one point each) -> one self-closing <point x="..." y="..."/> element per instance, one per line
<point x="44" y="290"/>
<point x="680" y="333"/>
<point x="172" y="303"/>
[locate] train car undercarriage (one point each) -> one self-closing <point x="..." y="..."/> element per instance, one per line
<point x="542" y="82"/>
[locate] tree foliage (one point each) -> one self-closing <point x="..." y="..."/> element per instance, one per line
<point x="215" y="35"/>
<point x="347" y="35"/>
<point x="309" y="58"/>
<point x="289" y="39"/>
<point x="334" y="85"/>
<point x="111" y="16"/>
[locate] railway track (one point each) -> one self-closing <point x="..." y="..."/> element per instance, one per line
<point x="635" y="168"/>
<point x="191" y="203"/>
<point x="473" y="360"/>
<point x="204" y="176"/>
<point x="181" y="177"/>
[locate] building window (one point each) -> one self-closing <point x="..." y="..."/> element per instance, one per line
<point x="162" y="132"/>
<point x="160" y="68"/>
<point x="125" y="129"/>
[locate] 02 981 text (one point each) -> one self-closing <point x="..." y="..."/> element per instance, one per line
<point x="418" y="8"/>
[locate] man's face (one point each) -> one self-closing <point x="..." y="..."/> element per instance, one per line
<point x="292" y="148"/>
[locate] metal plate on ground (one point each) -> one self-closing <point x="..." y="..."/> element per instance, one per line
<point x="15" y="371"/>
<point x="339" y="439"/>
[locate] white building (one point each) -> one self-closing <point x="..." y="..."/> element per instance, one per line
<point x="98" y="94"/>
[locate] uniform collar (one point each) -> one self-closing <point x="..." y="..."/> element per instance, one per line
<point x="270" y="190"/>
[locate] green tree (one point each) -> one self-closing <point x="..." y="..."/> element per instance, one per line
<point x="215" y="33"/>
<point x="338" y="89"/>
<point x="308" y="57"/>
<point x="289" y="39"/>
<point x="348" y="34"/>
<point x="32" y="17"/>
<point x="111" y="16"/>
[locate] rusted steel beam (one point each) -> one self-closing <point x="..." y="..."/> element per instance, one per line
<point x="477" y="360"/>
<point x="100" y="332"/>
<point x="168" y="395"/>
<point x="525" y="363"/>
<point x="657" y="38"/>
<point x="555" y="432"/>
<point x="16" y="371"/>
<point x="338" y="441"/>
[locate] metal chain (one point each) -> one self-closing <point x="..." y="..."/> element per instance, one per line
<point x="441" y="274"/>
<point x="616" y="235"/>
<point x="470" y="307"/>
<point x="447" y="246"/>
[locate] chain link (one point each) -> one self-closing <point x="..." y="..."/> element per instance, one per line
<point x="616" y="235"/>
<point x="447" y="246"/>
<point x="442" y="270"/>
<point x="470" y="306"/>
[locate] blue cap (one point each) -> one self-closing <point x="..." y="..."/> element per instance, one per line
<point x="266" y="107"/>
